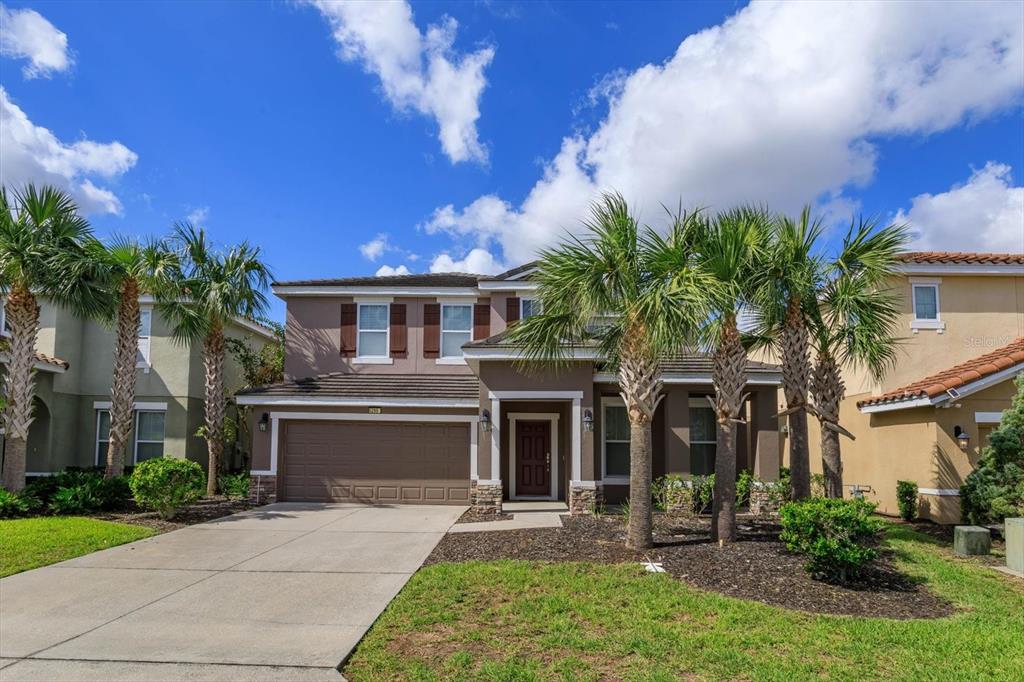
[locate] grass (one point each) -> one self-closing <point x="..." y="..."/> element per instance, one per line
<point x="35" y="542"/>
<point x="510" y="621"/>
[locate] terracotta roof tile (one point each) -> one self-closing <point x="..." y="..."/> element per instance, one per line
<point x="50" y="360"/>
<point x="954" y="377"/>
<point x="962" y="257"/>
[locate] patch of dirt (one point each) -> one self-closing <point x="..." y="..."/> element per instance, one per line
<point x="472" y="515"/>
<point x="206" y="509"/>
<point x="756" y="567"/>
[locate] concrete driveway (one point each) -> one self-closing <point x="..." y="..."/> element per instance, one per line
<point x="281" y="592"/>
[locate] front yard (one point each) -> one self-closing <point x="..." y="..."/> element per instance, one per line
<point x="35" y="542"/>
<point x="600" y="620"/>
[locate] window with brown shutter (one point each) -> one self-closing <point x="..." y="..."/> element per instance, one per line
<point x="511" y="309"/>
<point x="432" y="330"/>
<point x="398" y="331"/>
<point x="349" y="313"/>
<point x="481" y="320"/>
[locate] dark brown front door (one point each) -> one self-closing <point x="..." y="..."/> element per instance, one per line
<point x="533" y="458"/>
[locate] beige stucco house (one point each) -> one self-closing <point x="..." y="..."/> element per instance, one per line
<point x="962" y="329"/>
<point x="73" y="375"/>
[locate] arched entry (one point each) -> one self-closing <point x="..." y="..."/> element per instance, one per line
<point x="37" y="456"/>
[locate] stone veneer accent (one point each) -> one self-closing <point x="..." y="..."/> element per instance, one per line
<point x="763" y="503"/>
<point x="486" y="497"/>
<point x="262" y="489"/>
<point x="584" y="499"/>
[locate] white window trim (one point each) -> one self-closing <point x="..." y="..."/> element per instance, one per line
<point x="609" y="480"/>
<point x="101" y="461"/>
<point x="146" y="407"/>
<point x="135" y="434"/>
<point x="146" y="363"/>
<point x="448" y="359"/>
<point x="522" y="302"/>
<point x="3" y="317"/>
<point x="701" y="402"/>
<point x="385" y="359"/>
<point x="552" y="419"/>
<point x="919" y="323"/>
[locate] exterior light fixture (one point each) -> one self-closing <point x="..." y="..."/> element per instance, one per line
<point x="962" y="439"/>
<point x="485" y="421"/>
<point x="588" y="420"/>
<point x="264" y="419"/>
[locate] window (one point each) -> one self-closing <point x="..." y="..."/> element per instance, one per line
<point x="926" y="302"/>
<point x="145" y="330"/>
<point x="615" y="444"/>
<point x="372" y="337"/>
<point x="456" y="329"/>
<point x="149" y="435"/>
<point x="528" y="307"/>
<point x="703" y="437"/>
<point x="102" y="436"/>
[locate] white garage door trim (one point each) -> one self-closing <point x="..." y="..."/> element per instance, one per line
<point x="277" y="417"/>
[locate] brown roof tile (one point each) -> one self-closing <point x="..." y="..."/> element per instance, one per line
<point x="962" y="257"/>
<point x="375" y="386"/>
<point x="426" y="279"/>
<point x="954" y="377"/>
<point x="50" y="360"/>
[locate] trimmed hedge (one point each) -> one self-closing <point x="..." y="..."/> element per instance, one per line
<point x="838" y="537"/>
<point x="166" y="484"/>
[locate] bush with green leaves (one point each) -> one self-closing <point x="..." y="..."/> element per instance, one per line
<point x="76" y="491"/>
<point x="234" y="486"/>
<point x="744" y="484"/>
<point x="166" y="484"/>
<point x="13" y="505"/>
<point x="703" y="491"/>
<point x="906" y="499"/>
<point x="994" y="491"/>
<point x="838" y="537"/>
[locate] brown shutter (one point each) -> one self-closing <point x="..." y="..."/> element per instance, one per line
<point x="511" y="309"/>
<point x="398" y="330"/>
<point x="349" y="311"/>
<point x="481" y="321"/>
<point x="432" y="330"/>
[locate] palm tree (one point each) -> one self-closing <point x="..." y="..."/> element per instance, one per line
<point x="41" y="255"/>
<point x="731" y="249"/>
<point x="787" y="289"/>
<point x="855" y="325"/>
<point x="128" y="269"/>
<point x="635" y="296"/>
<point x="212" y="289"/>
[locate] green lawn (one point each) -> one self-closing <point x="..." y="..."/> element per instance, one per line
<point x="511" y="620"/>
<point x="31" y="543"/>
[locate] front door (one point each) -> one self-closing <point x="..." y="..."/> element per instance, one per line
<point x="533" y="458"/>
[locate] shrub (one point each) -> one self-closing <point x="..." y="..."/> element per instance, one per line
<point x="995" y="489"/>
<point x="817" y="485"/>
<point x="906" y="498"/>
<point x="744" y="484"/>
<point x="16" y="504"/>
<point x="671" y="493"/>
<point x="165" y="484"/>
<point x="234" y="486"/>
<point x="703" y="491"/>
<point x="75" y="491"/>
<point x="83" y="498"/>
<point x="837" y="536"/>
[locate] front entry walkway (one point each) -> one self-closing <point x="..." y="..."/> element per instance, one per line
<point x="281" y="592"/>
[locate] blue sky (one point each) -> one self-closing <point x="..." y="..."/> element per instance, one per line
<point x="312" y="129"/>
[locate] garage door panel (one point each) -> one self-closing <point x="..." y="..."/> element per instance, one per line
<point x="392" y="462"/>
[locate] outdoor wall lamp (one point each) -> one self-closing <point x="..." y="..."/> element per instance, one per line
<point x="588" y="420"/>
<point x="962" y="439"/>
<point x="264" y="418"/>
<point x="485" y="421"/>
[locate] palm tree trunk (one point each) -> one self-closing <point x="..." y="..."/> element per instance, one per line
<point x="213" y="364"/>
<point x="829" y="390"/>
<point x="23" y="316"/>
<point x="640" y="386"/>
<point x="122" y="391"/>
<point x="796" y="371"/>
<point x="730" y="376"/>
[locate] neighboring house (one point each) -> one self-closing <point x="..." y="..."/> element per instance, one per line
<point x="962" y="321"/>
<point x="405" y="389"/>
<point x="73" y="376"/>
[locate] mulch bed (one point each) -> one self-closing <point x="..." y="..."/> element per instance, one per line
<point x="206" y="509"/>
<point x="757" y="567"/>
<point x="472" y="515"/>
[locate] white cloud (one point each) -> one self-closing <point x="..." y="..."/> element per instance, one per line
<point x="375" y="248"/>
<point x="419" y="72"/>
<point x="31" y="153"/>
<point x="984" y="214"/>
<point x="26" y="34"/>
<point x="198" y="216"/>
<point x="777" y="105"/>
<point x="387" y="271"/>
<point x="477" y="261"/>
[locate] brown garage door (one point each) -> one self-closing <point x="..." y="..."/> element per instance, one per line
<point x="395" y="462"/>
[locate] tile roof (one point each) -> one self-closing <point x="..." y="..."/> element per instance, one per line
<point x="375" y="386"/>
<point x="954" y="377"/>
<point x="962" y="257"/>
<point x="50" y="360"/>
<point x="426" y="279"/>
<point x="509" y="274"/>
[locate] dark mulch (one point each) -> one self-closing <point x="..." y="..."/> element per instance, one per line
<point x="757" y="567"/>
<point x="200" y="511"/>
<point x="472" y="515"/>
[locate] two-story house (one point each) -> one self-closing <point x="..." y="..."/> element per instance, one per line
<point x="72" y="398"/>
<point x="962" y="344"/>
<point x="405" y="389"/>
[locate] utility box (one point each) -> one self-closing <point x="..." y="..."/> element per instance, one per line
<point x="971" y="540"/>
<point x="1014" y="533"/>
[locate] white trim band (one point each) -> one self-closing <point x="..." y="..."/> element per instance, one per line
<point x="940" y="492"/>
<point x="146" y="407"/>
<point x="988" y="417"/>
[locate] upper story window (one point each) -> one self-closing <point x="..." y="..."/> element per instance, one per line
<point x="924" y="295"/>
<point x="145" y="332"/>
<point x="456" y="329"/>
<point x="528" y="307"/>
<point x="372" y="326"/>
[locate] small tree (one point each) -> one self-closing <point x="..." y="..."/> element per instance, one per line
<point x="994" y="491"/>
<point x="260" y="367"/>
